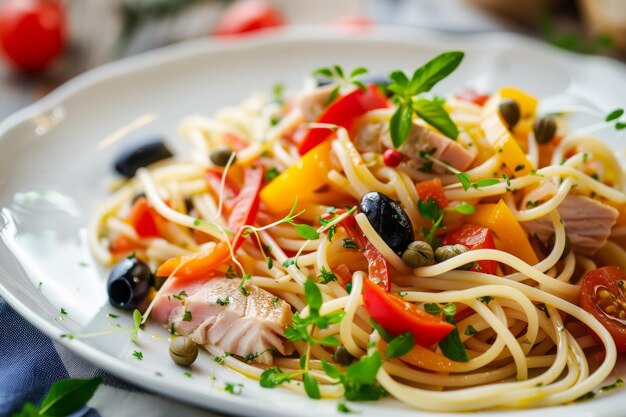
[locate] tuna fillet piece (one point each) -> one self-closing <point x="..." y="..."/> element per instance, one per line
<point x="588" y="223"/>
<point x="373" y="137"/>
<point x="219" y="314"/>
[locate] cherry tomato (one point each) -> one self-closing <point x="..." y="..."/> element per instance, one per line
<point x="432" y="189"/>
<point x="343" y="112"/>
<point x="248" y="15"/>
<point x="392" y="158"/>
<point x="602" y="295"/>
<point x="473" y="96"/>
<point x="474" y="237"/>
<point x="32" y="32"/>
<point x="397" y="316"/>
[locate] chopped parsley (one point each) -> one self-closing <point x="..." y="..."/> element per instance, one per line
<point x="242" y="285"/>
<point x="63" y="311"/>
<point x="234" y="389"/>
<point x="223" y="302"/>
<point x="349" y="244"/>
<point x="326" y="276"/>
<point x="187" y="315"/>
<point x="137" y="354"/>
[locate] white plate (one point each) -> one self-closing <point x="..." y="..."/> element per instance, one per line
<point x="53" y="167"/>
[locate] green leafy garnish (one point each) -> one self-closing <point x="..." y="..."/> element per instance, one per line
<point x="617" y="384"/>
<point x="326" y="276"/>
<point x="305" y="231"/>
<point x="242" y="284"/>
<point x="271" y="173"/>
<point x="614" y="115"/>
<point x="359" y="380"/>
<point x="464" y="208"/>
<point x="431" y="211"/>
<point x="384" y="334"/>
<point x="466" y="181"/>
<point x="137" y="318"/>
<point x="311" y="386"/>
<point x="338" y="75"/>
<point x="470" y="331"/>
<point x="485" y="299"/>
<point x="223" y="302"/>
<point x="137" y="354"/>
<point x="187" y="315"/>
<point x="274" y="377"/>
<point x="400" y="346"/>
<point x="63" y="311"/>
<point x="234" y="389"/>
<point x="406" y="95"/>
<point x="451" y="346"/>
<point x="299" y="330"/>
<point x="343" y="408"/>
<point x="64" y="398"/>
<point x="349" y="244"/>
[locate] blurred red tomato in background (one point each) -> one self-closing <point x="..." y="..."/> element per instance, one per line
<point x="32" y="33"/>
<point x="248" y="15"/>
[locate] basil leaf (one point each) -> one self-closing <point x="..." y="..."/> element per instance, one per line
<point x="620" y="126"/>
<point x="273" y="377"/>
<point x="400" y="125"/>
<point x="68" y="396"/>
<point x="313" y="297"/>
<point x="311" y="386"/>
<point x="365" y="370"/>
<point x="452" y="347"/>
<point x="429" y="209"/>
<point x="306" y="232"/>
<point x="465" y="208"/>
<point x="399" y="78"/>
<point x="435" y="70"/>
<point x="435" y="115"/>
<point x="615" y="114"/>
<point x="400" y="346"/>
<point x="382" y="332"/>
<point x="358" y="71"/>
<point x="486" y="182"/>
<point x="330" y="370"/>
<point x="465" y="179"/>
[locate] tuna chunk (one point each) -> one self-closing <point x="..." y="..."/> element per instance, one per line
<point x="588" y="224"/>
<point x="219" y="314"/>
<point x="421" y="140"/>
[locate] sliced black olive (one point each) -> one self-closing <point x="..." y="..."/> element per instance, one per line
<point x="129" y="283"/>
<point x="388" y="219"/>
<point x="128" y="162"/>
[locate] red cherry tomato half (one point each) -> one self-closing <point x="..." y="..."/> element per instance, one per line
<point x="247" y="16"/>
<point x="32" y="33"/>
<point x="602" y="295"/>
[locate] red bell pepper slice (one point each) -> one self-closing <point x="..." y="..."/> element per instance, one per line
<point x="378" y="267"/>
<point x="432" y="189"/>
<point x="397" y="316"/>
<point x="473" y="96"/>
<point x="343" y="112"/>
<point x="141" y="219"/>
<point x="474" y="237"/>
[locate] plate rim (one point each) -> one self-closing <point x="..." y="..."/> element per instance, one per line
<point x="194" y="47"/>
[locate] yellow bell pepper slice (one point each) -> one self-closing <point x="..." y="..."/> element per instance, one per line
<point x="310" y="173"/>
<point x="500" y="220"/>
<point x="499" y="135"/>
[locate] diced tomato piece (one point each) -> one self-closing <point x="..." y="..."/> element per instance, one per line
<point x="121" y="245"/>
<point x="432" y="189"/>
<point x="141" y="219"/>
<point x="344" y="276"/>
<point x="474" y="237"/>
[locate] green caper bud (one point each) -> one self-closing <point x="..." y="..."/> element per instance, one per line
<point x="183" y="350"/>
<point x="342" y="356"/>
<point x="443" y="253"/>
<point x="418" y="253"/>
<point x="221" y="155"/>
<point x="552" y="241"/>
<point x="544" y="129"/>
<point x="510" y="112"/>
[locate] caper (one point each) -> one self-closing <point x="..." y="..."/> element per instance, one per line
<point x="183" y="350"/>
<point x="566" y="249"/>
<point x="510" y="112"/>
<point x="418" y="253"/>
<point x="544" y="129"/>
<point x="443" y="253"/>
<point x="342" y="356"/>
<point x="221" y="155"/>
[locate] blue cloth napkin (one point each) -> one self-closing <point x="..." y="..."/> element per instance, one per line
<point x="30" y="362"/>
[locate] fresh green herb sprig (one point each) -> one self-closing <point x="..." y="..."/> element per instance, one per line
<point x="431" y="211"/>
<point x="234" y="389"/>
<point x="342" y="78"/>
<point x="451" y="346"/>
<point x="64" y="398"/>
<point x="615" y="117"/>
<point x="407" y="96"/>
<point x="359" y="379"/>
<point x="467" y="183"/>
<point x="326" y="276"/>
